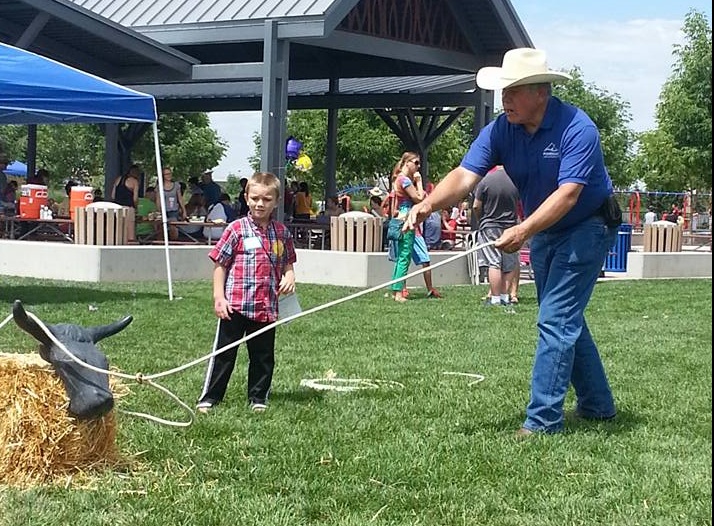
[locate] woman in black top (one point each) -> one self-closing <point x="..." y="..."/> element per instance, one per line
<point x="126" y="188"/>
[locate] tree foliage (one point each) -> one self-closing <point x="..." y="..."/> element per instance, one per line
<point x="232" y="185"/>
<point x="188" y="144"/>
<point x="611" y="115"/>
<point x="678" y="155"/>
<point x="366" y="147"/>
<point x="67" y="151"/>
<point x="76" y="151"/>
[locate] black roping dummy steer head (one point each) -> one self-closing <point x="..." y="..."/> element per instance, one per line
<point x="88" y="391"/>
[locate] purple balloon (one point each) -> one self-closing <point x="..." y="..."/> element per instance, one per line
<point x="292" y="148"/>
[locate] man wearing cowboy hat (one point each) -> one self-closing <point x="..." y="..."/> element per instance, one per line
<point x="551" y="150"/>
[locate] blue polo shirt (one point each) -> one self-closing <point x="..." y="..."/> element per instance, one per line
<point x="565" y="149"/>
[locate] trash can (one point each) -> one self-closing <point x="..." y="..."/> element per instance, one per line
<point x="356" y="232"/>
<point x="616" y="260"/>
<point x="663" y="236"/>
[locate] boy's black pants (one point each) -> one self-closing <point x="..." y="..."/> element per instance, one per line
<point x="261" y="360"/>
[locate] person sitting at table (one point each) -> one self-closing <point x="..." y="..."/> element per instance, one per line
<point x="63" y="207"/>
<point x="333" y="207"/>
<point x="303" y="203"/>
<point x="222" y="213"/>
<point x="195" y="211"/>
<point x="8" y="198"/>
<point x="125" y="190"/>
<point x="144" y="228"/>
<point x="448" y="230"/>
<point x="173" y="199"/>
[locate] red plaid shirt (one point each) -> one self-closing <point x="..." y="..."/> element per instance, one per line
<point x="254" y="271"/>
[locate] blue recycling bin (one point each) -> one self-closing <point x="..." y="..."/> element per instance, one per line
<point x="616" y="260"/>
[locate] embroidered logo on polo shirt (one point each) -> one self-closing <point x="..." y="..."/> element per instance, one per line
<point x="551" y="152"/>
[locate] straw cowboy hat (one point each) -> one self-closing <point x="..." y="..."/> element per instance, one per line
<point x="376" y="192"/>
<point x="520" y="66"/>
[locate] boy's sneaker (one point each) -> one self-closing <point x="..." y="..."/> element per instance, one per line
<point x="257" y="407"/>
<point x="433" y="293"/>
<point x="204" y="407"/>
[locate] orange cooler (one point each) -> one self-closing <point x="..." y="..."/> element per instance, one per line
<point x="79" y="197"/>
<point x="32" y="198"/>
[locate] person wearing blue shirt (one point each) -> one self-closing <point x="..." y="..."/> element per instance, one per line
<point x="552" y="152"/>
<point x="211" y="190"/>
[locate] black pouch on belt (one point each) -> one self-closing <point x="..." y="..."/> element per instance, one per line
<point x="611" y="212"/>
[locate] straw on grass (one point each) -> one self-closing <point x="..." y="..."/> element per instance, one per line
<point x="39" y="441"/>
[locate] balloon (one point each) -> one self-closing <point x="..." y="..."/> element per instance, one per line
<point x="303" y="162"/>
<point x="292" y="148"/>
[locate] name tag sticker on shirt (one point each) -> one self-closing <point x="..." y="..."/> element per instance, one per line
<point x="251" y="243"/>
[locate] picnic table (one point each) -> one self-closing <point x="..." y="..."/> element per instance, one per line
<point x="308" y="234"/>
<point x="56" y="229"/>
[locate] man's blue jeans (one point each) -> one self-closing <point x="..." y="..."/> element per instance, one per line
<point x="566" y="265"/>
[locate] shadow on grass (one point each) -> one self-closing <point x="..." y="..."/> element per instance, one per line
<point x="34" y="294"/>
<point x="623" y="423"/>
<point x="297" y="396"/>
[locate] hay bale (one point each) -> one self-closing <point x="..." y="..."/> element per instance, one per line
<point x="39" y="441"/>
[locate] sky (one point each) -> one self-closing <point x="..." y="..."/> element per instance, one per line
<point x="622" y="46"/>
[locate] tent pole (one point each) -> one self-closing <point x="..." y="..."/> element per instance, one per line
<point x="164" y="221"/>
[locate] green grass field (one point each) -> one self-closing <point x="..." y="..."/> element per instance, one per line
<point x="437" y="452"/>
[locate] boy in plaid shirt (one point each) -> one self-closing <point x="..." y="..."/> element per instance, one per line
<point x="253" y="266"/>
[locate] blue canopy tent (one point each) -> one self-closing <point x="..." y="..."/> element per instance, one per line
<point x="38" y="90"/>
<point x="16" y="169"/>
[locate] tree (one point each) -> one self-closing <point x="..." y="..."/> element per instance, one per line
<point x="611" y="115"/>
<point x="366" y="147"/>
<point x="13" y="141"/>
<point x="76" y="151"/>
<point x="678" y="155"/>
<point x="67" y="151"/>
<point x="71" y="151"/>
<point x="188" y="144"/>
<point x="232" y="186"/>
<point x="658" y="162"/>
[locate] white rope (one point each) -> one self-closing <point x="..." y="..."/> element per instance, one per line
<point x="478" y="377"/>
<point x="343" y="385"/>
<point x="150" y="379"/>
<point x="316" y="309"/>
